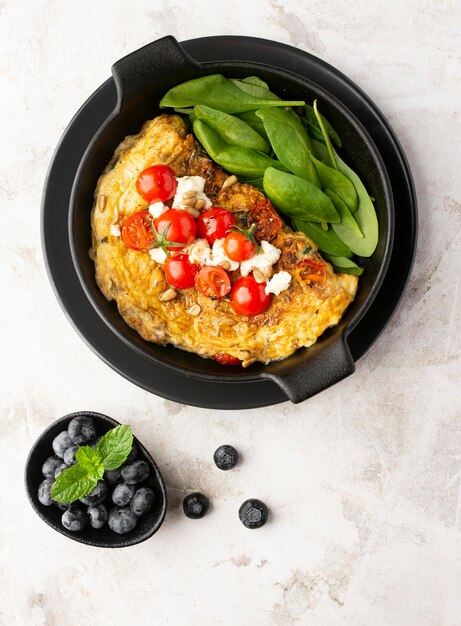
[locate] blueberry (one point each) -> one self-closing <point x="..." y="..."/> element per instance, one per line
<point x="253" y="513"/>
<point x="98" y="516"/>
<point x="122" y="494"/>
<point x="142" y="501"/>
<point x="98" y="494"/>
<point x="135" y="472"/>
<point x="69" y="455"/>
<point x="81" y="430"/>
<point x="74" y="519"/>
<point x="195" y="505"/>
<point x="113" y="476"/>
<point x="121" y="521"/>
<point x="60" y="469"/>
<point x="226" y="457"/>
<point x="44" y="491"/>
<point x="60" y="443"/>
<point x="50" y="465"/>
<point x="133" y="455"/>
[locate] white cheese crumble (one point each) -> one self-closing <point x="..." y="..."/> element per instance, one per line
<point x="157" y="208"/>
<point x="278" y="283"/>
<point x="199" y="251"/>
<point x="115" y="230"/>
<point x="218" y="256"/>
<point x="267" y="256"/>
<point x="158" y="255"/>
<point x="190" y="183"/>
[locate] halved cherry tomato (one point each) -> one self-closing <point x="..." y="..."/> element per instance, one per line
<point x="137" y="231"/>
<point x="156" y="183"/>
<point x="312" y="272"/>
<point x="176" y="226"/>
<point x="240" y="245"/>
<point x="180" y="272"/>
<point x="226" y="359"/>
<point x="214" y="224"/>
<point x="248" y="296"/>
<point x="213" y="281"/>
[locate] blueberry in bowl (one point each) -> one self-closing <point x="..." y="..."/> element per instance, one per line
<point x="64" y="452"/>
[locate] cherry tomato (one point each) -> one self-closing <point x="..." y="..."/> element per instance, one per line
<point x="238" y="246"/>
<point x="213" y="281"/>
<point x="312" y="272"/>
<point x="248" y="297"/>
<point x="226" y="359"/>
<point x="137" y="231"/>
<point x="156" y="183"/>
<point x="214" y="223"/>
<point x="177" y="226"/>
<point x="180" y="272"/>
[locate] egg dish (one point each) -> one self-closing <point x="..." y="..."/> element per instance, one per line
<point x="206" y="290"/>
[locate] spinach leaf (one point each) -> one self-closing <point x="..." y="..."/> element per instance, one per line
<point x="338" y="183"/>
<point x="315" y="130"/>
<point x="231" y="129"/>
<point x="290" y="142"/>
<point x="365" y="215"/>
<point x="298" y="198"/>
<point x="326" y="137"/>
<point x="234" y="159"/>
<point x="344" y="266"/>
<point x="326" y="240"/>
<point x="219" y="93"/>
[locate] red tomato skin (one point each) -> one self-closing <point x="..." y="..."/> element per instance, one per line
<point x="238" y="247"/>
<point x="182" y="227"/>
<point x="137" y="232"/>
<point x="214" y="224"/>
<point x="248" y="296"/>
<point x="213" y="282"/>
<point x="180" y="272"/>
<point x="226" y="359"/>
<point x="156" y="183"/>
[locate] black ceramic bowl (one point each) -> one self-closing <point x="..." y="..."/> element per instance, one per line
<point x="148" y="524"/>
<point x="142" y="78"/>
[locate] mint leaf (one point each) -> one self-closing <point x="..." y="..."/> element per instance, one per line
<point x="115" y="446"/>
<point x="91" y="461"/>
<point x="72" y="484"/>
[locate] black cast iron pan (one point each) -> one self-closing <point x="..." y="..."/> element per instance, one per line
<point x="141" y="79"/>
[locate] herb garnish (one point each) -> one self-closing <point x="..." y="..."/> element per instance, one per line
<point x="80" y="479"/>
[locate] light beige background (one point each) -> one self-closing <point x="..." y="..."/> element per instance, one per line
<point x="363" y="481"/>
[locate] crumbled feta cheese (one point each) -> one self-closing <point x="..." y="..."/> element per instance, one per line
<point x="158" y="255"/>
<point x="157" y="208"/>
<point x="190" y="183"/>
<point x="115" y="230"/>
<point x="218" y="255"/>
<point x="199" y="251"/>
<point x="267" y="256"/>
<point x="278" y="283"/>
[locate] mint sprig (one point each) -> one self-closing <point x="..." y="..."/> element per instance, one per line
<point x="79" y="480"/>
<point x="115" y="446"/>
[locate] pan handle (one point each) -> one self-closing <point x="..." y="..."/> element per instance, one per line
<point x="165" y="58"/>
<point x="330" y="362"/>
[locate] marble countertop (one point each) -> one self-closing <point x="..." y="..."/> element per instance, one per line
<point x="363" y="480"/>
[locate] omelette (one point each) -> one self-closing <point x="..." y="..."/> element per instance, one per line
<point x="314" y="300"/>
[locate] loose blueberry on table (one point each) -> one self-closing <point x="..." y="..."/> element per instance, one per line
<point x="253" y="513"/>
<point x="226" y="457"/>
<point x="100" y="477"/>
<point x="195" y="505"/>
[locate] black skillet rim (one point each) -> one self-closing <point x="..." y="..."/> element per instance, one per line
<point x="155" y="378"/>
